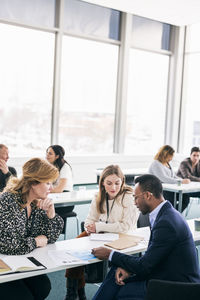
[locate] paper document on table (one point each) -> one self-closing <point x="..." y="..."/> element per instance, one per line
<point x="63" y="257"/>
<point x="104" y="236"/>
<point x="82" y="254"/>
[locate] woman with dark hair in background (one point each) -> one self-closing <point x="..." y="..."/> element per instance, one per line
<point x="64" y="183"/>
<point x="55" y="155"/>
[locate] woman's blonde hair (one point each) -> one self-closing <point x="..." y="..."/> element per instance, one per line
<point x="34" y="171"/>
<point x="101" y="197"/>
<point x="164" y="153"/>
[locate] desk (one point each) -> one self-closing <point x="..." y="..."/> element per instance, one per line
<point x="73" y="198"/>
<point x="128" y="173"/>
<point x="41" y="254"/>
<point x="192" y="187"/>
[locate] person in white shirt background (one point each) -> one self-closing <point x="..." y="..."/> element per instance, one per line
<point x="64" y="183"/>
<point x="55" y="155"/>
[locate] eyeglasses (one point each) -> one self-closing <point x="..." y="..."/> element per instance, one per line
<point x="135" y="197"/>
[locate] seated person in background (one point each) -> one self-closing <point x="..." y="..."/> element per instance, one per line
<point x="171" y="253"/>
<point x="190" y="167"/>
<point x="161" y="168"/>
<point x="55" y="156"/>
<point x="64" y="183"/>
<point x="28" y="221"/>
<point x="5" y="171"/>
<point x="112" y="210"/>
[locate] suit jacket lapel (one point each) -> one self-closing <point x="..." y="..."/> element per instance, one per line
<point x="163" y="208"/>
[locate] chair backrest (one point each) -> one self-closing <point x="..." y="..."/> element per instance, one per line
<point x="82" y="226"/>
<point x="172" y="290"/>
<point x="143" y="220"/>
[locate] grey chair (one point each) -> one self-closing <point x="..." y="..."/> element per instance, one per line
<point x="172" y="290"/>
<point x="143" y="220"/>
<point x="95" y="273"/>
<point x="65" y="213"/>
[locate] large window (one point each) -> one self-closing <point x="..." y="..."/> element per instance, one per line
<point x="190" y="124"/>
<point x="85" y="18"/>
<point x="149" y="34"/>
<point x="192" y="38"/>
<point x="82" y="43"/>
<point x="37" y="12"/>
<point x="26" y="76"/>
<point x="147" y="95"/>
<point x="88" y="95"/>
<point x="191" y="96"/>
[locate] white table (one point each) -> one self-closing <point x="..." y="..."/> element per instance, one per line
<point x="41" y="254"/>
<point x="192" y="187"/>
<point x="73" y="198"/>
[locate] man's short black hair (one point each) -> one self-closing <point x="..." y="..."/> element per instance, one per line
<point x="150" y="183"/>
<point x="194" y="149"/>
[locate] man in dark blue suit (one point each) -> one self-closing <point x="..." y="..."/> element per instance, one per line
<point x="171" y="253"/>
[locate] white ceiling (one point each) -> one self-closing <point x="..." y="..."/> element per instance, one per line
<point x="175" y="12"/>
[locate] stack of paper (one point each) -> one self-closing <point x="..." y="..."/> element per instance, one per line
<point x="104" y="236"/>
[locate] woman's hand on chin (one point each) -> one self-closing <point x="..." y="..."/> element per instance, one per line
<point x="48" y="206"/>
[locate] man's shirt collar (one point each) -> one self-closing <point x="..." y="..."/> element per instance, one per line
<point x="154" y="213"/>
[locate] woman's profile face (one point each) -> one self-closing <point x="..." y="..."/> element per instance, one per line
<point x="112" y="184"/>
<point x="51" y="156"/>
<point x="169" y="157"/>
<point x="41" y="190"/>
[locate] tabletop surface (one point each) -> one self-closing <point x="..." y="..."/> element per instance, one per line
<point x="74" y="196"/>
<point x="187" y="188"/>
<point x="82" y="244"/>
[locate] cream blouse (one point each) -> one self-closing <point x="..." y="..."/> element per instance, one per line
<point x="123" y="215"/>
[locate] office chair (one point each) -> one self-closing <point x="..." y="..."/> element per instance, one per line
<point x="95" y="273"/>
<point x="143" y="220"/>
<point x="172" y="290"/>
<point x="65" y="213"/>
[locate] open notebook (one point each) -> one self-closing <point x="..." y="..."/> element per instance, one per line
<point x="15" y="264"/>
